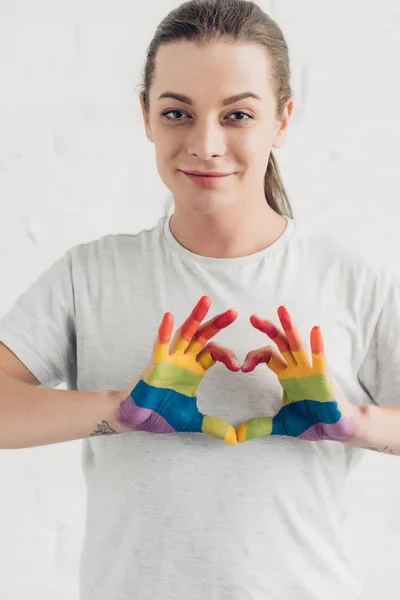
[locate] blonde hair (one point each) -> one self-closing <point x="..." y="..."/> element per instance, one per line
<point x="204" y="21"/>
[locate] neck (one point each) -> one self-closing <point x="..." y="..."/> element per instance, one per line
<point x="230" y="233"/>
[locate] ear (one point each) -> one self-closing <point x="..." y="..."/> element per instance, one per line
<point x="145" y="115"/>
<point x="283" y="124"/>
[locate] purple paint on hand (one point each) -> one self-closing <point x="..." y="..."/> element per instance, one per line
<point x="142" y="419"/>
<point x="341" y="431"/>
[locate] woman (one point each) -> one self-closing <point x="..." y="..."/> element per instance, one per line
<point x="181" y="514"/>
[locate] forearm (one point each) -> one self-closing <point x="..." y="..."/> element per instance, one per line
<point x="34" y="416"/>
<point x="379" y="429"/>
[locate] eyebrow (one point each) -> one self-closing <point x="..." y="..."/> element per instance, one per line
<point x="226" y="102"/>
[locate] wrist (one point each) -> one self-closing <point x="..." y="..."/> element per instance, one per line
<point x="365" y="419"/>
<point x="114" y="399"/>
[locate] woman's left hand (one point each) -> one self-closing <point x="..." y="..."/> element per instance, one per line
<point x="313" y="409"/>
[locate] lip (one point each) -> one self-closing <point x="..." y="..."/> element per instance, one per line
<point x="206" y="180"/>
<point x="208" y="174"/>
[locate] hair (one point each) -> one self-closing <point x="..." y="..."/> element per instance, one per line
<point x="237" y="21"/>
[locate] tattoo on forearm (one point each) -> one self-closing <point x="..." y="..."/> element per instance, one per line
<point x="103" y="429"/>
<point x="385" y="450"/>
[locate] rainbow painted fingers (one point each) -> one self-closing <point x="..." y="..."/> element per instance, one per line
<point x="164" y="399"/>
<point x="310" y="410"/>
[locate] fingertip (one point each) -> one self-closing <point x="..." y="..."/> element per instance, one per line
<point x="201" y="308"/>
<point x="231" y="363"/>
<point x="241" y="433"/>
<point x="249" y="364"/>
<point x="231" y="437"/>
<point x="165" y="328"/>
<point x="225" y="319"/>
<point x="233" y="314"/>
<point x="285" y="317"/>
<point x="205" y="302"/>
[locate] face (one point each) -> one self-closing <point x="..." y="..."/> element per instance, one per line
<point x="203" y="128"/>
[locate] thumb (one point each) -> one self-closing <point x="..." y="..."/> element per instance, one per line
<point x="220" y="429"/>
<point x="254" y="428"/>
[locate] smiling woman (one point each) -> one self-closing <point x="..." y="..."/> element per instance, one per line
<point x="229" y="125"/>
<point x="176" y="507"/>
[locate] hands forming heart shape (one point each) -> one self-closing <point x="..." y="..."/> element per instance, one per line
<point x="164" y="398"/>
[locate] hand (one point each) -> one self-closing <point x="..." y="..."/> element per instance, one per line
<point x="313" y="409"/>
<point x="164" y="399"/>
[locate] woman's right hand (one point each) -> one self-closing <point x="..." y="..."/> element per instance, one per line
<point x="164" y="398"/>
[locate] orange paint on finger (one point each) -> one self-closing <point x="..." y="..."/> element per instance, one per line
<point x="285" y="318"/>
<point x="192" y="323"/>
<point x="189" y="328"/>
<point x="165" y="329"/>
<point x="201" y="308"/>
<point x="294" y="340"/>
<point x="317" y="342"/>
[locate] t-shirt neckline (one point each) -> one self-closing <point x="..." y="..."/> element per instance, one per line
<point x="208" y="260"/>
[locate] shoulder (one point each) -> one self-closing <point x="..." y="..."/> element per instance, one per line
<point x="341" y="259"/>
<point x="116" y="247"/>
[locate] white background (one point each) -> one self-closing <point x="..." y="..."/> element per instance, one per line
<point x="75" y="164"/>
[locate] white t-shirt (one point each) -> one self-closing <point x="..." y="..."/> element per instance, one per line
<point x="185" y="515"/>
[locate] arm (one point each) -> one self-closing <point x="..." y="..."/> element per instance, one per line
<point x="163" y="399"/>
<point x="379" y="429"/>
<point x="33" y="416"/>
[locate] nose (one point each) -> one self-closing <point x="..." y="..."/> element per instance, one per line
<point x="206" y="140"/>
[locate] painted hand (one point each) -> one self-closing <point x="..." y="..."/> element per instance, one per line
<point x="164" y="399"/>
<point x="312" y="408"/>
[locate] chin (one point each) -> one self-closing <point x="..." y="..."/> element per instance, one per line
<point x="205" y="205"/>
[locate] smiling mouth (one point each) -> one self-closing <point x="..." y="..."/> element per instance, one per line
<point x="207" y="174"/>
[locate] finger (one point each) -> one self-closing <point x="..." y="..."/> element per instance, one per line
<point x="210" y="329"/>
<point x="318" y="351"/>
<point x="185" y="333"/>
<point x="214" y="352"/>
<point x="276" y="335"/>
<point x="161" y="346"/>
<point x="220" y="429"/>
<point x="297" y="347"/>
<point x="269" y="355"/>
<point x="254" y="428"/>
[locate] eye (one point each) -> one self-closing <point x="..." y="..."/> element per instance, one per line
<point x="166" y="113"/>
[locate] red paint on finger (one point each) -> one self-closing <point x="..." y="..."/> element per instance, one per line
<point x="259" y="323"/>
<point x="285" y="318"/>
<point x="225" y="319"/>
<point x="267" y="328"/>
<point x="206" y="332"/>
<point x="251" y="364"/>
<point x="230" y="361"/>
<point x="165" y="329"/>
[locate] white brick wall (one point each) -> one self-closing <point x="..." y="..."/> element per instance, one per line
<point x="75" y="164"/>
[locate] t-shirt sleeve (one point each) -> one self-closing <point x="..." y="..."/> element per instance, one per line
<point x="40" y="326"/>
<point x="379" y="373"/>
